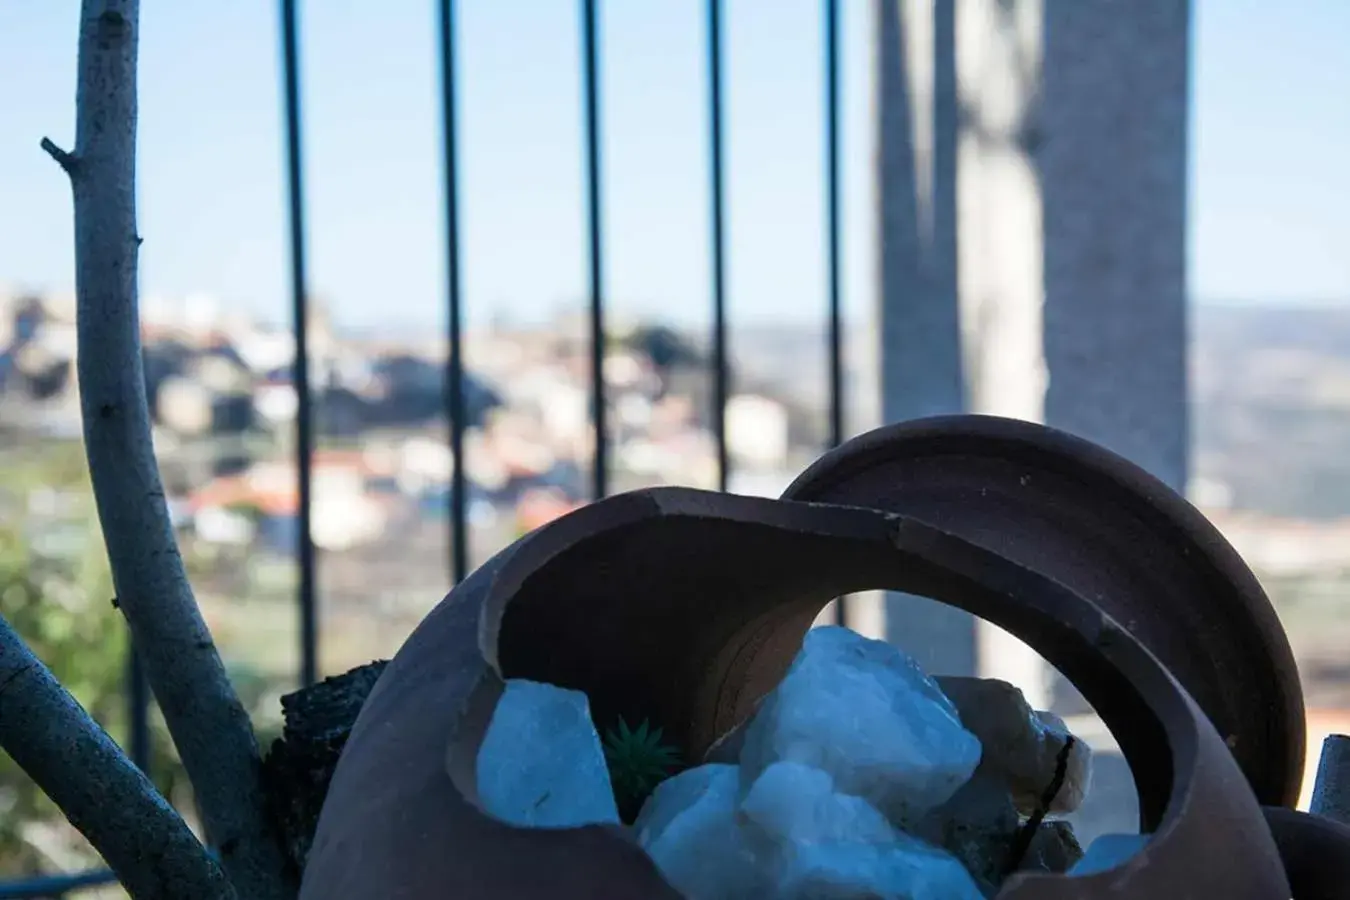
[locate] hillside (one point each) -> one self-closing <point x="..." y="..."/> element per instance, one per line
<point x="1272" y="407"/>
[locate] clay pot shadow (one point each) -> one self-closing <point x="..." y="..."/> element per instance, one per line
<point x="684" y="607"/>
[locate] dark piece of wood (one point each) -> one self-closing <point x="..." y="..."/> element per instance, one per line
<point x="296" y="772"/>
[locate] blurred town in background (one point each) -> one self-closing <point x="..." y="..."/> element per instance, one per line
<point x="1271" y="434"/>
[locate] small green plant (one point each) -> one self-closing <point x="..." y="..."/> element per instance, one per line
<point x="638" y="761"/>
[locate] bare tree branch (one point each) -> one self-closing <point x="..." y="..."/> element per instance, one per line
<point x="63" y="159"/>
<point x="103" y="794"/>
<point x="209" y="725"/>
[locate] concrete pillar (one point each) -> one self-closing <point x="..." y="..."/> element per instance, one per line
<point x="919" y="333"/>
<point x="1113" y="164"/>
<point x="1070" y="206"/>
<point x="999" y="63"/>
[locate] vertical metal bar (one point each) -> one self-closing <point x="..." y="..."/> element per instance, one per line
<point x="720" y="375"/>
<point x="138" y="702"/>
<point x="454" y="380"/>
<point x="594" y="212"/>
<point x="836" y="336"/>
<point x="832" y="267"/>
<point x="304" y="425"/>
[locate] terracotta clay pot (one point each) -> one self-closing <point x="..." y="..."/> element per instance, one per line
<point x="685" y="606"/>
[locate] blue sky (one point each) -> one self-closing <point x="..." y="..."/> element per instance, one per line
<point x="1270" y="190"/>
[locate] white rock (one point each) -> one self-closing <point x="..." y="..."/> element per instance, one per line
<point x="906" y="870"/>
<point x="1078" y="765"/>
<point x="689" y="828"/>
<point x="863" y="712"/>
<point x="792" y="803"/>
<point x="1107" y="852"/>
<point x="674" y="795"/>
<point x="541" y="763"/>
<point x="1021" y="746"/>
<point x="819" y="843"/>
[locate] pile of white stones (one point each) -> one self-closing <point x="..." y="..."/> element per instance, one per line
<point x="859" y="776"/>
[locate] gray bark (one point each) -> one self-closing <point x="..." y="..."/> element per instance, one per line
<point x="209" y="725"/>
<point x="103" y="794"/>
<point x="319" y="719"/>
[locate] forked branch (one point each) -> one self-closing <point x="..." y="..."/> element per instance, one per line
<point x="104" y="795"/>
<point x="209" y="725"/>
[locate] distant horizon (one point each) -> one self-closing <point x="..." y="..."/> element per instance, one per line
<point x="539" y="315"/>
<point x="797" y="321"/>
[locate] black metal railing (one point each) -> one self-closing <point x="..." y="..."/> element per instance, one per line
<point x="306" y="600"/>
<point x="455" y="407"/>
<point x="595" y="245"/>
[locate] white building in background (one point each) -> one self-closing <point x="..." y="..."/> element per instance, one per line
<point x="422" y="463"/>
<point x="277" y="403"/>
<point x="344" y="515"/>
<point x="757" y="432"/>
<point x="345" y="518"/>
<point x="265" y="350"/>
<point x="566" y="410"/>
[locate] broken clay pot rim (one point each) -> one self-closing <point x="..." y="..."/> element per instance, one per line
<point x="1269" y="711"/>
<point x="1176" y="714"/>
